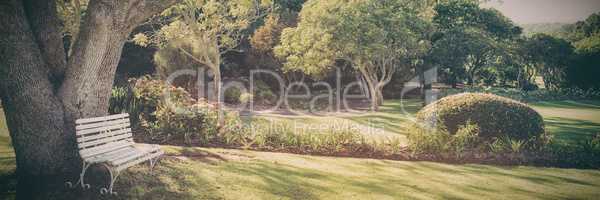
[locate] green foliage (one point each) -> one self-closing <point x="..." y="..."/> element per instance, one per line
<point x="425" y="140"/>
<point x="182" y="122"/>
<point x="263" y="93"/>
<point x="267" y="36"/>
<point x="516" y="146"/>
<point x="144" y="95"/>
<point x="199" y="33"/>
<point x="289" y="5"/>
<point x="122" y="100"/>
<point x="152" y="93"/>
<point x="592" y="145"/>
<point x="494" y="115"/>
<point x="233" y="95"/>
<point x="497" y="146"/>
<point x="472" y="43"/>
<point x="168" y="58"/>
<point x="463" y="53"/>
<point x="585" y="153"/>
<point x="529" y="96"/>
<point x="359" y="31"/>
<point x="583" y="73"/>
<point x="168" y="113"/>
<point x="70" y="14"/>
<point x="552" y="56"/>
<point x="284" y="136"/>
<point x="587" y="28"/>
<point x="460" y="14"/>
<point x="375" y="37"/>
<point x="246" y="97"/>
<point x="456" y="14"/>
<point x="509" y="145"/>
<point x="585" y="37"/>
<point x="221" y="22"/>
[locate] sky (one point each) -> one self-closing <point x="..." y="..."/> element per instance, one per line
<point x="546" y="11"/>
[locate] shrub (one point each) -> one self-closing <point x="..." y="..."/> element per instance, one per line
<point x="122" y="100"/>
<point x="283" y="136"/>
<point x="592" y="145"/>
<point x="196" y="123"/>
<point x="423" y="139"/>
<point x="152" y="92"/>
<point x="182" y="122"/>
<point x="495" y="116"/>
<point x="232" y="95"/>
<point x="167" y="112"/>
<point x="263" y="93"/>
<point x="246" y="97"/>
<point x="583" y="154"/>
<point x="529" y="96"/>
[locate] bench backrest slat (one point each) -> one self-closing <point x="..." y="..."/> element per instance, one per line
<point x="105" y="140"/>
<point x="102" y="124"/>
<point x="100" y="119"/>
<point x="103" y="129"/>
<point x="103" y="134"/>
<point x="100" y="136"/>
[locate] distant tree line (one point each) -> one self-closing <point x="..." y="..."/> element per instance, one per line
<point x="388" y="42"/>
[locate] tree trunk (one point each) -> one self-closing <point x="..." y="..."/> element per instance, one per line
<point x="92" y="67"/>
<point x="32" y="66"/>
<point x="379" y="94"/>
<point x="34" y="115"/>
<point x="374" y="99"/>
<point x="45" y="25"/>
<point x="372" y="91"/>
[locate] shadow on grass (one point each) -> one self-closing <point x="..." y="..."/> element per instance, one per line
<point x="282" y="180"/>
<point x="583" y="104"/>
<point x="571" y="131"/>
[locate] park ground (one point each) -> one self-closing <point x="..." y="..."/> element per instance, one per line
<point x="211" y="173"/>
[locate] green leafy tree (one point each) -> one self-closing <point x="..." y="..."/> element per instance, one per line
<point x="551" y="56"/>
<point x="583" y="72"/>
<point x="44" y="89"/>
<point x="585" y="37"/>
<point x="376" y="37"/>
<point x="470" y="40"/>
<point x="205" y="31"/>
<point x="464" y="53"/>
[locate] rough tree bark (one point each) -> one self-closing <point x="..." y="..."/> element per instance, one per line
<point x="43" y="92"/>
<point x="34" y="114"/>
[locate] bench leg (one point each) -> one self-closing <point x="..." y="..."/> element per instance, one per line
<point x="113" y="177"/>
<point x="153" y="162"/>
<point x="81" y="178"/>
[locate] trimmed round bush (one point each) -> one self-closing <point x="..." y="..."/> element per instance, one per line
<point x="232" y="95"/>
<point x="496" y="116"/>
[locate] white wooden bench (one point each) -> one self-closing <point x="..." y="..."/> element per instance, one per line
<point x="108" y="141"/>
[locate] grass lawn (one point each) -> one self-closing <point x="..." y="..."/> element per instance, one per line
<point x="568" y="121"/>
<point x="200" y="173"/>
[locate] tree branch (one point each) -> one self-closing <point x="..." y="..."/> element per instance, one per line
<point x="44" y="23"/>
<point x="141" y="10"/>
